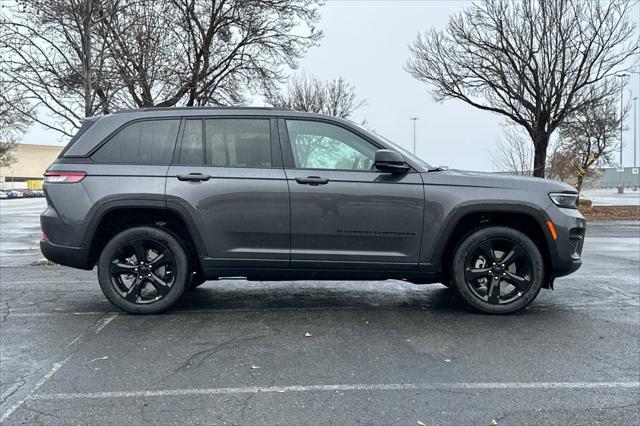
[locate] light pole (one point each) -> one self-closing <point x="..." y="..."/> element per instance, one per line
<point x="414" y="119"/>
<point x="621" y="167"/>
<point x="635" y="144"/>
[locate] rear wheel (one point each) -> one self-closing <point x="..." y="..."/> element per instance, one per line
<point x="143" y="270"/>
<point x="498" y="270"/>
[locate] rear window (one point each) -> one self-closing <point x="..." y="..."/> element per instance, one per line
<point x="233" y="142"/>
<point x="148" y="142"/>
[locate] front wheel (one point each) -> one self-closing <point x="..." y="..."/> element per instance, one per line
<point x="143" y="270"/>
<point x="498" y="270"/>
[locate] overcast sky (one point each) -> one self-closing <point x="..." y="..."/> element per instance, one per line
<point x="366" y="42"/>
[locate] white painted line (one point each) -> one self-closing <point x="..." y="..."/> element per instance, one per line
<point x="73" y="342"/>
<point x="56" y="282"/>
<point x="37" y="386"/>
<point x="12" y="313"/>
<point x="340" y="388"/>
<point x="48" y="314"/>
<point x="81" y="338"/>
<point x="104" y="322"/>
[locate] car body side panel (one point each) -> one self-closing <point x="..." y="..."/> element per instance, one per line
<point x="242" y="214"/>
<point x="356" y="220"/>
<point x="449" y="198"/>
<point x="75" y="204"/>
<point x="446" y="205"/>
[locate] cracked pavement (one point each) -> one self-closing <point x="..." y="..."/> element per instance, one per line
<point x="235" y="352"/>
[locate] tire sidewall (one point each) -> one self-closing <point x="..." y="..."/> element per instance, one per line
<point x="470" y="242"/>
<point x="182" y="274"/>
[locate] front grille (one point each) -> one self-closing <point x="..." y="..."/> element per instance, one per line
<point x="576" y="240"/>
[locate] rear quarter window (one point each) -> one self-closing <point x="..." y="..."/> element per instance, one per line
<point x="84" y="126"/>
<point x="149" y="142"/>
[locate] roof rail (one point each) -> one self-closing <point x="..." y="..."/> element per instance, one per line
<point x="201" y="108"/>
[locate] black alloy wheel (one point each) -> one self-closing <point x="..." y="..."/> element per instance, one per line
<point x="498" y="270"/>
<point x="143" y="270"/>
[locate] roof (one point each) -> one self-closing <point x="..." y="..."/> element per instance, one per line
<point x="217" y="108"/>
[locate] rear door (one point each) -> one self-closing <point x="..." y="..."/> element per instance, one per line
<point x="227" y="174"/>
<point x="345" y="214"/>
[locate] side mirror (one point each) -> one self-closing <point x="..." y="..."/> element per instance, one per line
<point x="388" y="161"/>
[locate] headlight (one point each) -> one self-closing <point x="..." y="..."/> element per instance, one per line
<point x="564" y="200"/>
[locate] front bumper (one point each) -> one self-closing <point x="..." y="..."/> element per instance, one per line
<point x="75" y="257"/>
<point x="570" y="227"/>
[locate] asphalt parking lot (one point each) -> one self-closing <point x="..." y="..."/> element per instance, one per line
<point x="236" y="352"/>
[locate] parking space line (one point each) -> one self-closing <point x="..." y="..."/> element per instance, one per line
<point x="26" y="394"/>
<point x="340" y="388"/>
<point x="35" y="387"/>
<point x="104" y="322"/>
<point x="55" y="282"/>
<point x="618" y="307"/>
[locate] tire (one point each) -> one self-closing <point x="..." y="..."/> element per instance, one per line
<point x="497" y="270"/>
<point x="150" y="287"/>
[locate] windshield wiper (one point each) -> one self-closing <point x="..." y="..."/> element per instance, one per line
<point x="436" y="169"/>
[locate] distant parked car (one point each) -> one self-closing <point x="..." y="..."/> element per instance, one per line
<point x="38" y="193"/>
<point x="3" y="195"/>
<point x="14" y="193"/>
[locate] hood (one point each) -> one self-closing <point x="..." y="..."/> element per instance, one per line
<point x="495" y="180"/>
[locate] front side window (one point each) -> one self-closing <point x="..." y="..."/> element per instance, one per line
<point x="318" y="145"/>
<point x="148" y="142"/>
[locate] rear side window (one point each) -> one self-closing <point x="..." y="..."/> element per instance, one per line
<point x="238" y="143"/>
<point x="233" y="142"/>
<point x="144" y="142"/>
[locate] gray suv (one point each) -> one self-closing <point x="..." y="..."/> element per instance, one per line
<point x="163" y="199"/>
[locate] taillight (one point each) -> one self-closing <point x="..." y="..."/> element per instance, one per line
<point x="63" y="177"/>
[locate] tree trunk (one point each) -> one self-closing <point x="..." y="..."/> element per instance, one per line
<point x="540" y="143"/>
<point x="579" y="182"/>
<point x="86" y="24"/>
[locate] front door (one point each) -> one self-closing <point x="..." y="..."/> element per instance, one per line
<point x="345" y="214"/>
<point x="227" y="174"/>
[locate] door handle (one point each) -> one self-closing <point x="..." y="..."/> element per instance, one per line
<point x="312" y="180"/>
<point x="193" y="177"/>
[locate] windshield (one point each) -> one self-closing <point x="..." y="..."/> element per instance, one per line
<point x="397" y="147"/>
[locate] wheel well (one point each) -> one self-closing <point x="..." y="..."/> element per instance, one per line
<point x="117" y="220"/>
<point x="523" y="222"/>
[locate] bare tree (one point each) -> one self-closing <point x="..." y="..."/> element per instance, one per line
<point x="560" y="165"/>
<point x="335" y="97"/>
<point x="199" y="52"/>
<point x="12" y="123"/>
<point x="84" y="57"/>
<point x="589" y="136"/>
<point x="51" y="55"/>
<point x="531" y="61"/>
<point x="513" y="153"/>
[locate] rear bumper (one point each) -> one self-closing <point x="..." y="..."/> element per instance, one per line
<point x="75" y="257"/>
